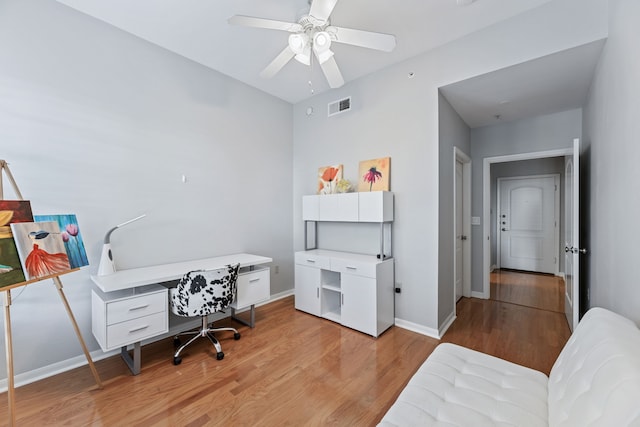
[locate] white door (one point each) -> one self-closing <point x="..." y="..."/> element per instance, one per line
<point x="460" y="237"/>
<point x="572" y="237"/>
<point x="528" y="210"/>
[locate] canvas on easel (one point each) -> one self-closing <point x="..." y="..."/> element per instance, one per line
<point x="11" y="211"/>
<point x="71" y="236"/>
<point x="41" y="249"/>
<point x="42" y="266"/>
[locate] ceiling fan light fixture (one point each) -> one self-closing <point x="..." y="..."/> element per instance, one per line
<point x="321" y="41"/>
<point x="298" y="42"/>
<point x="322" y="45"/>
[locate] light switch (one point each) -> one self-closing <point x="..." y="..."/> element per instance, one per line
<point x="475" y="220"/>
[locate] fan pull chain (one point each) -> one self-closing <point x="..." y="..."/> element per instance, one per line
<point x="311" y="73"/>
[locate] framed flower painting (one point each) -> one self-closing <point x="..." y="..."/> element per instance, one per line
<point x="374" y="174"/>
<point x="328" y="177"/>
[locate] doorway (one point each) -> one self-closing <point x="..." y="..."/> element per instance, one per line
<point x="489" y="226"/>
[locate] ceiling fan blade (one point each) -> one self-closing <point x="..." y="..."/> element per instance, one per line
<point x="378" y="41"/>
<point x="321" y="9"/>
<point x="277" y="64"/>
<point x="250" y="21"/>
<point x="332" y="72"/>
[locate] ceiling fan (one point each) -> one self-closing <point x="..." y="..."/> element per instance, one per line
<point x="314" y="33"/>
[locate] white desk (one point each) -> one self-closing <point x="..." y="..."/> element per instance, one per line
<point x="129" y="306"/>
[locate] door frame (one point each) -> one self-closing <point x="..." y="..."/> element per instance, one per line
<point x="556" y="215"/>
<point x="461" y="156"/>
<point x="486" y="204"/>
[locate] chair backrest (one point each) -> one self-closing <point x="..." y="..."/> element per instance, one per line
<point x="596" y="379"/>
<point x="203" y="292"/>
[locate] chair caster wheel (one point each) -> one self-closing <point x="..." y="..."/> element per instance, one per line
<point x="177" y="360"/>
<point x="236" y="336"/>
<point x="220" y="355"/>
<point x="176" y="342"/>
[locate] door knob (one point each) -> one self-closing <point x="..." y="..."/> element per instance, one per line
<point x="463" y="237"/>
<point x="504" y="229"/>
<point x="574" y="250"/>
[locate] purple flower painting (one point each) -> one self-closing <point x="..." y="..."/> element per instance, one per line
<point x="374" y="174"/>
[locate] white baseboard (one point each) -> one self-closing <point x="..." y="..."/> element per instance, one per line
<point x="480" y="295"/>
<point x="447" y="323"/>
<point x="414" y="327"/>
<point x="78" y="361"/>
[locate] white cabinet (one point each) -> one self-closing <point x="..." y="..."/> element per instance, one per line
<point x="354" y="290"/>
<point x="128" y="316"/>
<point x="375" y="206"/>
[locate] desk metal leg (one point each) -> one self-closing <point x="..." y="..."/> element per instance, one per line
<point x="252" y="316"/>
<point x="132" y="362"/>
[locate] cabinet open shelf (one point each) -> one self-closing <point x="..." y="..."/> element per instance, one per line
<point x="332" y="288"/>
<point x="332" y="315"/>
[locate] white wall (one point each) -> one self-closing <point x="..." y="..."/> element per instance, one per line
<point x="453" y="132"/>
<point x="398" y="117"/>
<point x="542" y="133"/>
<point x="611" y="151"/>
<point x="96" y="122"/>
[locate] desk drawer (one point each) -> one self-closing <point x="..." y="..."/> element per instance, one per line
<point x="359" y="268"/>
<point x="136" y="307"/>
<point x="253" y="287"/>
<point x="136" y="330"/>
<point x="313" y="260"/>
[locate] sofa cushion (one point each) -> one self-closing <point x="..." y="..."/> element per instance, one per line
<point x="456" y="385"/>
<point x="596" y="379"/>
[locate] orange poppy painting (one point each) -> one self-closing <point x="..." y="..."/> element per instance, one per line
<point x="374" y="174"/>
<point x="328" y="177"/>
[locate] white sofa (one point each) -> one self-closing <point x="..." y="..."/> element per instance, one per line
<point x="594" y="382"/>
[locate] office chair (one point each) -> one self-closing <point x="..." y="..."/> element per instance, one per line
<point x="200" y="293"/>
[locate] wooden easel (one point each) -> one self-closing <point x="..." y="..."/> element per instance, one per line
<point x="6" y="291"/>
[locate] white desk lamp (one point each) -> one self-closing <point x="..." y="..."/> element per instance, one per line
<point x="107" y="266"/>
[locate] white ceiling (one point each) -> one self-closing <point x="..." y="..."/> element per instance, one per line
<point x="198" y="30"/>
<point x="553" y="83"/>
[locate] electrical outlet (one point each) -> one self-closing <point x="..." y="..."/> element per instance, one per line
<point x="276" y="269"/>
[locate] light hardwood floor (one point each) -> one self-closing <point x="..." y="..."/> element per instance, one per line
<point x="544" y="291"/>
<point x="291" y="369"/>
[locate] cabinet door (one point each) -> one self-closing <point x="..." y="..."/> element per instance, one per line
<point x="338" y="207"/>
<point x="359" y="303"/>
<point x="308" y="289"/>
